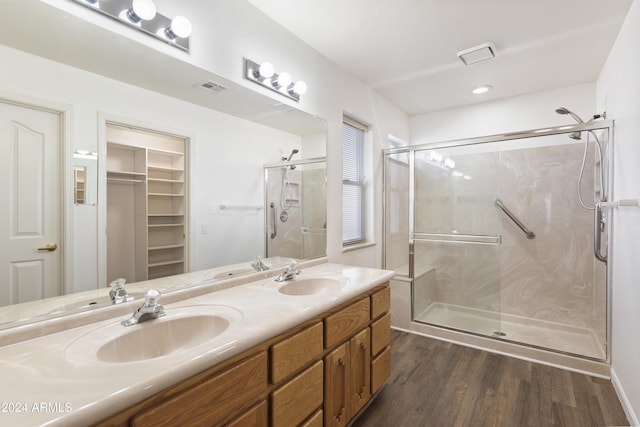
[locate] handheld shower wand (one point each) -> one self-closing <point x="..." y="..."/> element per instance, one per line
<point x="563" y="110"/>
<point x="294" y="151"/>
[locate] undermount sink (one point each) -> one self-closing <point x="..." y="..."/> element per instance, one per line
<point x="304" y="286"/>
<point x="181" y="329"/>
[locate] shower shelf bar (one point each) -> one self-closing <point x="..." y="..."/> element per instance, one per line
<point x="240" y="207"/>
<point x="457" y="238"/>
<point x="530" y="234"/>
<point x="309" y="230"/>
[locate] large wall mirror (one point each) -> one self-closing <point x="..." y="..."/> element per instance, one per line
<point x="99" y="77"/>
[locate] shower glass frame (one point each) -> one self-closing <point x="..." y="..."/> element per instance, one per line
<point x="410" y="151"/>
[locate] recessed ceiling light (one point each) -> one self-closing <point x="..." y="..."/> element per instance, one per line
<point x="482" y="89"/>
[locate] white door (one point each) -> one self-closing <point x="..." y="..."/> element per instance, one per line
<point x="30" y="211"/>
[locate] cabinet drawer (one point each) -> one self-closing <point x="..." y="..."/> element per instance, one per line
<point x="254" y="417"/>
<point x="346" y="322"/>
<point x="314" y="421"/>
<point x="380" y="369"/>
<point x="213" y="400"/>
<point x="296" y="400"/>
<point x="380" y="302"/>
<point x="380" y="334"/>
<point x="295" y="352"/>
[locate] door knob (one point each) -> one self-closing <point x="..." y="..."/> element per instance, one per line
<point x="49" y="248"/>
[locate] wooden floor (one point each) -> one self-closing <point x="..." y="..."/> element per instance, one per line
<point x="435" y="383"/>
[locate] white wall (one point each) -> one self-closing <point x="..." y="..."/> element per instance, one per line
<point x="226" y="156"/>
<point x="531" y="111"/>
<point x="618" y="92"/>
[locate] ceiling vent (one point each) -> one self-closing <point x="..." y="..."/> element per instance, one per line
<point x="212" y="86"/>
<point x="479" y="53"/>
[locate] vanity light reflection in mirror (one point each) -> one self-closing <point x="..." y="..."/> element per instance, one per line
<point x="85" y="177"/>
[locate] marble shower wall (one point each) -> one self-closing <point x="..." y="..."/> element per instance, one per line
<point x="549" y="278"/>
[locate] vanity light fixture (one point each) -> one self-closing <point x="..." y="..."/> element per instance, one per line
<point x="265" y="75"/>
<point x="143" y="15"/>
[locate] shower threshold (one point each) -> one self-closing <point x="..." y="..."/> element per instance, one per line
<point x="543" y="334"/>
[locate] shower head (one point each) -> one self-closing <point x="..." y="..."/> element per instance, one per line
<point x="563" y="110"/>
<point x="294" y="151"/>
<point x="576" y="135"/>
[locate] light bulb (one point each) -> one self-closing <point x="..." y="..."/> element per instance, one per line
<point x="300" y="88"/>
<point x="144" y="9"/>
<point x="180" y="27"/>
<point x="266" y="70"/>
<point x="284" y="79"/>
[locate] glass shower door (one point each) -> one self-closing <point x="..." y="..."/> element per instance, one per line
<point x="456" y="238"/>
<point x="296" y="209"/>
<point x="503" y="246"/>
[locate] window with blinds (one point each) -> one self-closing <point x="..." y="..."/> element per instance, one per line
<point x="353" y="184"/>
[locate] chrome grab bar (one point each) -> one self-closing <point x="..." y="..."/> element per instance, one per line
<point x="530" y="234"/>
<point x="598" y="226"/>
<point x="274" y="222"/>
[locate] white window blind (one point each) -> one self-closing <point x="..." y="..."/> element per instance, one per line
<point x="352" y="182"/>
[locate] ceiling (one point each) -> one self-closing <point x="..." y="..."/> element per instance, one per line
<point x="406" y="49"/>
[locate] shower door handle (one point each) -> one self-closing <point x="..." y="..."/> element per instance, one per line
<point x="274" y="222"/>
<point x="598" y="225"/>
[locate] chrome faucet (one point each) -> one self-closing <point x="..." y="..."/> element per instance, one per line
<point x="147" y="311"/>
<point x="118" y="293"/>
<point x="291" y="271"/>
<point x="258" y="264"/>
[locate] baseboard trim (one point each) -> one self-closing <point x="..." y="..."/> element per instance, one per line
<point x="626" y="405"/>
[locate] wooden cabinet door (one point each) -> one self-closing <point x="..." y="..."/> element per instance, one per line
<point x="336" y="391"/>
<point x="360" y="368"/>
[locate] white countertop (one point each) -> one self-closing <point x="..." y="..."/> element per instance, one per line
<point x="45" y="383"/>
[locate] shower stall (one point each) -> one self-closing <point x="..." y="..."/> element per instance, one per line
<point x="493" y="239"/>
<point x="296" y="208"/>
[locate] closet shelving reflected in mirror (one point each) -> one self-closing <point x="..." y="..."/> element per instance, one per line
<point x="146" y="204"/>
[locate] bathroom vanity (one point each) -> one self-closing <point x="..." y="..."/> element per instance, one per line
<point x="310" y="351"/>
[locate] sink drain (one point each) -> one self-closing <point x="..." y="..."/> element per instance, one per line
<point x="499" y="334"/>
